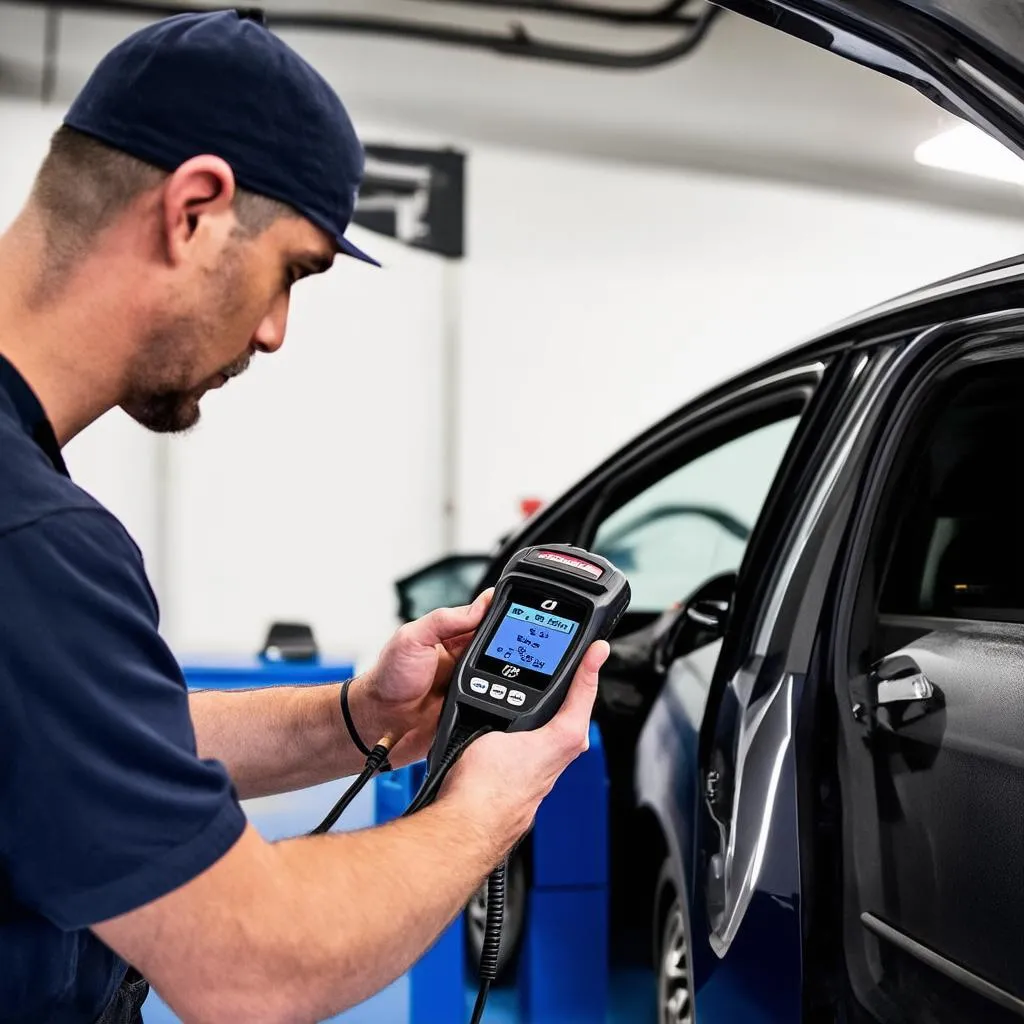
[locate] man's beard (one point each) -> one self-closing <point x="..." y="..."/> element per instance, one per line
<point x="160" y="393"/>
<point x="171" y="408"/>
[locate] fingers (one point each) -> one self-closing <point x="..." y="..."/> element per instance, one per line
<point x="445" y="624"/>
<point x="534" y="759"/>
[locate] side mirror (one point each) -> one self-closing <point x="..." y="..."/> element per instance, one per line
<point x="702" y="619"/>
<point x="450" y="581"/>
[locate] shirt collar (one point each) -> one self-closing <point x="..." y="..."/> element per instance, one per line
<point x="30" y="414"/>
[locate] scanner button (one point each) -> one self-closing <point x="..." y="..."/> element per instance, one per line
<point x="478" y="685"/>
<point x="498" y="691"/>
<point x="516" y="698"/>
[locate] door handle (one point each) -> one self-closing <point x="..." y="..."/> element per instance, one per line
<point x="903" y="693"/>
<point x="905" y="689"/>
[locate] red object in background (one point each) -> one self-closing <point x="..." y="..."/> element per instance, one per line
<point x="527" y="506"/>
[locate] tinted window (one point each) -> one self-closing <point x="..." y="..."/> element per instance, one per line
<point x="958" y="546"/>
<point x="695" y="522"/>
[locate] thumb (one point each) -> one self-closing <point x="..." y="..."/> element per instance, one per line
<point x="579" y="702"/>
<point x="446" y="623"/>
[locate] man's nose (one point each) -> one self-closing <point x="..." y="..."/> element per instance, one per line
<point x="269" y="335"/>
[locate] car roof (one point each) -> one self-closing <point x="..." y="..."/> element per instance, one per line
<point x="928" y="304"/>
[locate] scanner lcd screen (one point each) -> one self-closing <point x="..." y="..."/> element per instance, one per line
<point x="531" y="638"/>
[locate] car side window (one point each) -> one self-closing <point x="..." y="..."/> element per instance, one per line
<point x="694" y="523"/>
<point x="956" y="549"/>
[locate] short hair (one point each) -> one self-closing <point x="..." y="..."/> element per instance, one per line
<point x="83" y="185"/>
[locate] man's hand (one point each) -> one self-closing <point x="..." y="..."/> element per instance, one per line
<point x="283" y="738"/>
<point x="340" y="916"/>
<point x="480" y="780"/>
<point x="401" y="696"/>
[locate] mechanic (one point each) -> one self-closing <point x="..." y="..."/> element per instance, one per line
<point x="203" y="170"/>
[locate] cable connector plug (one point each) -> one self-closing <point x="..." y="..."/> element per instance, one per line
<point x="376" y="760"/>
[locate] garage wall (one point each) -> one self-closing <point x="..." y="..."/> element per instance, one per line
<point x="619" y="291"/>
<point x="313" y="482"/>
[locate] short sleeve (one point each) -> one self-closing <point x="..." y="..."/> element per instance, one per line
<point x="106" y="804"/>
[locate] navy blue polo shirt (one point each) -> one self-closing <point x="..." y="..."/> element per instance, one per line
<point x="104" y="803"/>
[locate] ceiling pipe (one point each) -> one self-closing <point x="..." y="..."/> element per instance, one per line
<point x="516" y="42"/>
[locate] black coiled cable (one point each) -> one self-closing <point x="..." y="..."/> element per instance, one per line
<point x="492" y="937"/>
<point x="461" y="738"/>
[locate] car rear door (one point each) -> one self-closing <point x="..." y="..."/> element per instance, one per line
<point x="928" y="670"/>
<point x="965" y="55"/>
<point x="902" y="610"/>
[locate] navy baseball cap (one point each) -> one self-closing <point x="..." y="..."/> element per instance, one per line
<point x="222" y="83"/>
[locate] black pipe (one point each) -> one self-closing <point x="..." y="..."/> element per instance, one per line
<point x="666" y="15"/>
<point x="516" y="43"/>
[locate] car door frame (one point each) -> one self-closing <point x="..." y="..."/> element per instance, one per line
<point x="779" y="648"/>
<point x="688" y="712"/>
<point x="953" y="345"/>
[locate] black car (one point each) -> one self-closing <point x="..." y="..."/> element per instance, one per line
<point x="814" y="709"/>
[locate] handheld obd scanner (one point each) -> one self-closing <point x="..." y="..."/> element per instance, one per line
<point x="550" y="604"/>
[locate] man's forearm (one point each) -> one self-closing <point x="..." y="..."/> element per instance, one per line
<point x="404" y="883"/>
<point x="305" y="928"/>
<point x="281" y="738"/>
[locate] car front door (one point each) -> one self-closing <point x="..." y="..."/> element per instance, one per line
<point x="717" y="761"/>
<point x="676" y="517"/>
<point x="673" y="509"/>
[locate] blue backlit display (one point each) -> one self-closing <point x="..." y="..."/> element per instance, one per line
<point x="532" y="638"/>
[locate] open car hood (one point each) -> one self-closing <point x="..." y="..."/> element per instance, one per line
<point x="965" y="55"/>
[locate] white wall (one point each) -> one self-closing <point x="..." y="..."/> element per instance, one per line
<point x="625" y="291"/>
<point x="595" y="298"/>
<point x="312" y="483"/>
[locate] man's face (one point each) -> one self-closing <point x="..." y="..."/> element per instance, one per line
<point x="223" y="307"/>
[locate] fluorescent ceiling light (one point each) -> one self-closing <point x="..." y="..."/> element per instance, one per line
<point x="969" y="150"/>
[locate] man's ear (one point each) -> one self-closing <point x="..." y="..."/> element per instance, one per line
<point x="198" y="195"/>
